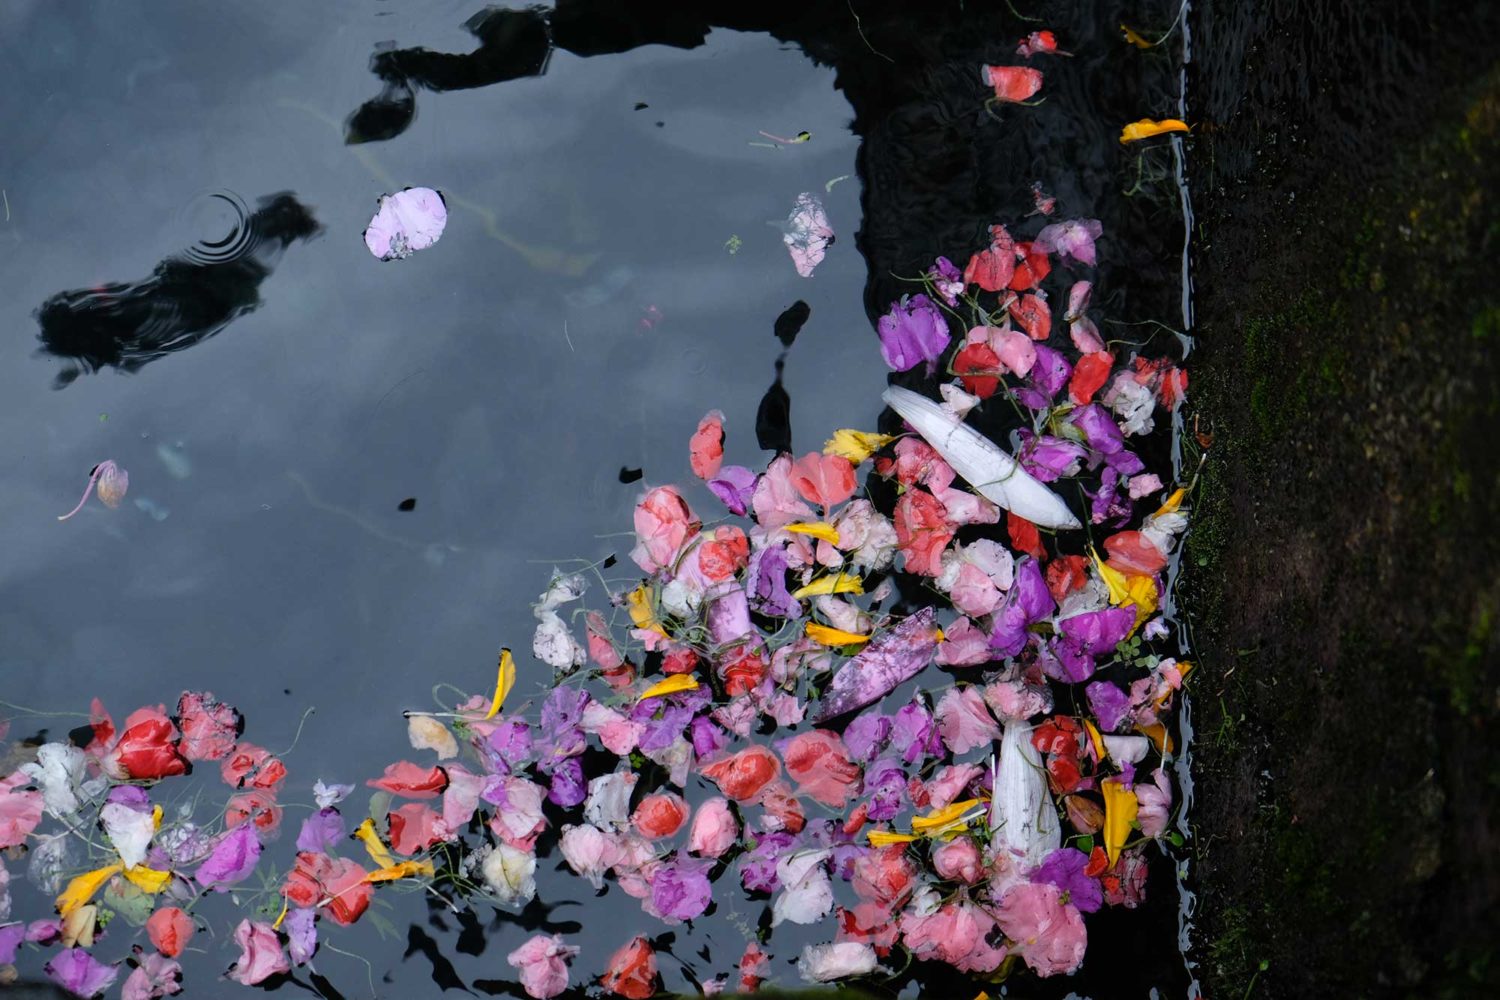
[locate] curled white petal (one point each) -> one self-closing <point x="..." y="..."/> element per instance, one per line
<point x="983" y="464"/>
<point x="1022" y="817"/>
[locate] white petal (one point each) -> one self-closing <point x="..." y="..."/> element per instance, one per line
<point x="1022" y="817"/>
<point x="983" y="464"/>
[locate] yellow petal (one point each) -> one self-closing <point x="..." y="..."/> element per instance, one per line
<point x="505" y="679"/>
<point x="148" y="880"/>
<point x="1118" y="584"/>
<point x="833" y="583"/>
<point x="82" y="888"/>
<point x="880" y="838"/>
<point x="402" y="869"/>
<point x="1095" y="738"/>
<point x="834" y="636"/>
<point x="670" y="685"/>
<point x="1134" y="37"/>
<point x="817" y="529"/>
<point x="854" y="445"/>
<point x="1170" y="505"/>
<point x="1120" y="807"/>
<point x="78" y="927"/>
<point x="1146" y="128"/>
<point x="947" y="820"/>
<point x="156" y="817"/>
<point x="379" y="853"/>
<point x="1158" y="735"/>
<point x="638" y="603"/>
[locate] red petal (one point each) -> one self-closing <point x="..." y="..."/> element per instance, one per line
<point x="978" y="358"/>
<point x="412" y="781"/>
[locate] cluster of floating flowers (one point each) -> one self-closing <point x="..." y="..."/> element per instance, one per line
<point x="968" y="723"/>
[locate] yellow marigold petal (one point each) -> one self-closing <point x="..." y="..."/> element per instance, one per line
<point x="949" y="819"/>
<point x="1120" y="807"/>
<point x="881" y="838"/>
<point x="1135" y="38"/>
<point x="834" y="636"/>
<point x="670" y="685"/>
<point x="81" y="888"/>
<point x="817" y="529"/>
<point x="156" y="817"/>
<point x="379" y="853"/>
<point x="505" y="679"/>
<point x="1146" y="128"/>
<point x="402" y="869"/>
<point x="833" y="583"/>
<point x="854" y="445"/>
<point x="148" y="880"/>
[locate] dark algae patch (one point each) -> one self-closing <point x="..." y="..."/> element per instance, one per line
<point x="1342" y="569"/>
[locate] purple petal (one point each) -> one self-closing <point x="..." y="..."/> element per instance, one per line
<point x="301" y="934"/>
<point x="734" y="486"/>
<point x="232" y="859"/>
<point x="320" y="831"/>
<point x="892" y="658"/>
<point x="913" y="332"/>
<point x="78" y="972"/>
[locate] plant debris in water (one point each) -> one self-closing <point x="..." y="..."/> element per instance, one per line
<point x="974" y="818"/>
<point x="892" y="688"/>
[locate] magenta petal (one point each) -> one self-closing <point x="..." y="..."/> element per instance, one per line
<point x="407" y="221"/>
<point x="890" y="659"/>
<point x="232" y="859"/>
<point x="80" y="973"/>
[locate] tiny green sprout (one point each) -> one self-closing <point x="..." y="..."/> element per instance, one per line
<point x="733" y="244"/>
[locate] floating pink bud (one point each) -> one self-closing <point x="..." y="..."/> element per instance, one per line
<point x="112" y="482"/>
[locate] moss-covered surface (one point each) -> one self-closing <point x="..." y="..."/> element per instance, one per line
<point x="1345" y="572"/>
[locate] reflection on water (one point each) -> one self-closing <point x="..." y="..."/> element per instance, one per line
<point x="187" y="299"/>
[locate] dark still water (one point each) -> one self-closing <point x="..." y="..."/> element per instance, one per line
<point x="611" y="269"/>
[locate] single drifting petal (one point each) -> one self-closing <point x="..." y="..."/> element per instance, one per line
<point x="981" y="462"/>
<point x="807" y="234"/>
<point x="407" y="221"/>
<point x="1146" y="129"/>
